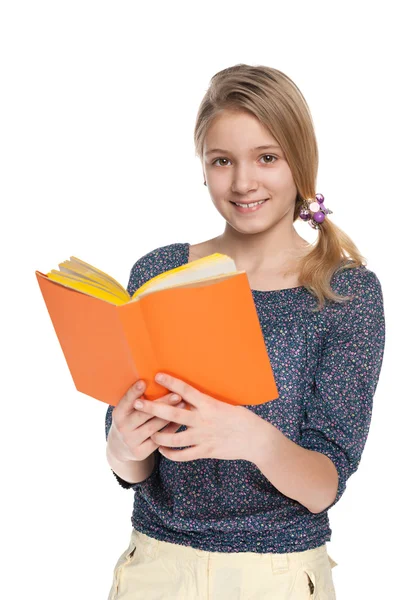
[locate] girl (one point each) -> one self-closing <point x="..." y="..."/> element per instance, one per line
<point x="232" y="501"/>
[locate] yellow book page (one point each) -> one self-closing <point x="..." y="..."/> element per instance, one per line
<point x="77" y="274"/>
<point x="193" y="266"/>
<point x="89" y="280"/>
<point x="79" y="266"/>
<point x="68" y="275"/>
<point x="190" y="284"/>
<point x="90" y="289"/>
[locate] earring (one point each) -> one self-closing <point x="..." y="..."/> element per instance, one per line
<point x="205" y="183"/>
<point x="315" y="212"/>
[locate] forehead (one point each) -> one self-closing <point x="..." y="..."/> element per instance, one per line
<point x="238" y="131"/>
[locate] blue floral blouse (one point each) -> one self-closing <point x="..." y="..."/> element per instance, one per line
<point x="326" y="366"/>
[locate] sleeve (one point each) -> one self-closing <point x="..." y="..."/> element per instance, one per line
<point x="338" y="413"/>
<point x="139" y="274"/>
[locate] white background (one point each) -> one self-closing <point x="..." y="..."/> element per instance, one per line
<point x="98" y="105"/>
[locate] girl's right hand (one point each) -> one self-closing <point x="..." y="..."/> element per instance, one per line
<point x="130" y="433"/>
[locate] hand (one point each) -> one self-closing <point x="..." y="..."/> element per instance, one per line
<point x="129" y="435"/>
<point x="215" y="429"/>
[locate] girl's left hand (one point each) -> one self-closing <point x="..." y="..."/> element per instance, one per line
<point x="215" y="429"/>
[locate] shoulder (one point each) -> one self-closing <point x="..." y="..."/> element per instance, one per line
<point x="362" y="295"/>
<point x="363" y="304"/>
<point x="360" y="281"/>
<point x="163" y="257"/>
<point x="155" y="262"/>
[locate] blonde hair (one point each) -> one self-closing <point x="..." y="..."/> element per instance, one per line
<point x="279" y="105"/>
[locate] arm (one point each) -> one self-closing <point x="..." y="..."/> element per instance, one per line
<point x="303" y="475"/>
<point x="131" y="471"/>
<point x="131" y="474"/>
<point x="338" y="408"/>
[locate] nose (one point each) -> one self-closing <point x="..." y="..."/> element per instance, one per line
<point x="244" y="185"/>
<point x="244" y="181"/>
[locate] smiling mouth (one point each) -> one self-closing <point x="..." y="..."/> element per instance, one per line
<point x="249" y="204"/>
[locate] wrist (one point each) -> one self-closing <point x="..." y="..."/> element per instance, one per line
<point x="255" y="437"/>
<point x="113" y="448"/>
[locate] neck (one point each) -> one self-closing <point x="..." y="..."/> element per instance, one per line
<point x="258" y="252"/>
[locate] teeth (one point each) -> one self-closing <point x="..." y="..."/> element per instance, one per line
<point x="249" y="205"/>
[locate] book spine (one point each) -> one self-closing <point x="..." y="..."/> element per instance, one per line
<point x="140" y="347"/>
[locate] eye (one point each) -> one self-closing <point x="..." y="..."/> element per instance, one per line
<point x="268" y="163"/>
<point x="270" y="156"/>
<point x="217" y="159"/>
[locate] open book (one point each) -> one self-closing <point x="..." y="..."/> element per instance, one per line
<point x="197" y="322"/>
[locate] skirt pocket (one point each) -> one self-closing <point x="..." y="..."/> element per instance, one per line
<point x="126" y="558"/>
<point x="319" y="585"/>
<point x="305" y="587"/>
<point x="316" y="581"/>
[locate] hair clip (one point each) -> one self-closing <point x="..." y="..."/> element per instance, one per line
<point x="315" y="212"/>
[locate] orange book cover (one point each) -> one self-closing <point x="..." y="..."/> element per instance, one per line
<point x="206" y="333"/>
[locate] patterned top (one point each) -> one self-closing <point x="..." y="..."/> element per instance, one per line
<point x="326" y="365"/>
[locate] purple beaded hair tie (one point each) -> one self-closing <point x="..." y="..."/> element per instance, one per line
<point x="315" y="212"/>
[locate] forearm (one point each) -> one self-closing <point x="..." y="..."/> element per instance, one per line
<point x="131" y="471"/>
<point x="304" y="475"/>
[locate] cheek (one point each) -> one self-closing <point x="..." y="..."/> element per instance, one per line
<point x="218" y="188"/>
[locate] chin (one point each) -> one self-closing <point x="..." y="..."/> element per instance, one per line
<point x="250" y="228"/>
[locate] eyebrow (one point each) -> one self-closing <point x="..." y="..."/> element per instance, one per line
<point x="257" y="148"/>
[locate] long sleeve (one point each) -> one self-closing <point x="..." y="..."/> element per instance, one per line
<point x="338" y="411"/>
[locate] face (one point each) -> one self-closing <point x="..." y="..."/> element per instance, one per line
<point x="241" y="173"/>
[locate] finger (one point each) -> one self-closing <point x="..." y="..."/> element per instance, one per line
<point x="125" y="415"/>
<point x="170" y="428"/>
<point x="134" y="393"/>
<point x="125" y="405"/>
<point x="188" y="393"/>
<point x="140" y="417"/>
<point x="138" y="433"/>
<point x="137" y="418"/>
<point x="151" y="426"/>
<point x="173" y="440"/>
<point x="169" y="413"/>
<point x="185" y="455"/>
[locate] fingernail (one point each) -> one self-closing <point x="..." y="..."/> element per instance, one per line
<point x="139" y="385"/>
<point x="175" y="398"/>
<point x="138" y="404"/>
<point x="181" y="404"/>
